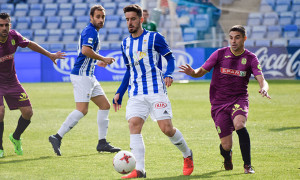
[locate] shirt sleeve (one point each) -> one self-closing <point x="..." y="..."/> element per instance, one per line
<point x="160" y="45"/>
<point x="20" y="40"/>
<point x="211" y="61"/>
<point x="89" y="38"/>
<point x="255" y="66"/>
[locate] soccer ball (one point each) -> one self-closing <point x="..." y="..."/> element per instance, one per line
<point x="124" y="162"/>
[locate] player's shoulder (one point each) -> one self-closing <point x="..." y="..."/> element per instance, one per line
<point x="89" y="30"/>
<point x="13" y="32"/>
<point x="250" y="54"/>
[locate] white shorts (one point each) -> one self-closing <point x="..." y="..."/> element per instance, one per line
<point x="85" y="87"/>
<point x="157" y="105"/>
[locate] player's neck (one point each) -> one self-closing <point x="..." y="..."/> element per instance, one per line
<point x="238" y="52"/>
<point x="138" y="33"/>
<point x="3" y="39"/>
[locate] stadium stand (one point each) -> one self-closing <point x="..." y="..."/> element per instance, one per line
<point x="54" y="35"/>
<point x="67" y="22"/>
<point x="65" y="9"/>
<point x="71" y="47"/>
<point x="56" y="47"/>
<point x="38" y="22"/>
<point x="8" y="8"/>
<point x="70" y="35"/>
<point x="50" y="9"/>
<point x="40" y="35"/>
<point x="53" y="22"/>
<point x="80" y="9"/>
<point x="36" y="9"/>
<point x="294" y="42"/>
<point x="23" y="23"/>
<point x="21" y="10"/>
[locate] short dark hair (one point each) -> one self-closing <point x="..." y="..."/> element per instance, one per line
<point x="5" y="16"/>
<point x="238" y="28"/>
<point x="96" y="7"/>
<point x="135" y="8"/>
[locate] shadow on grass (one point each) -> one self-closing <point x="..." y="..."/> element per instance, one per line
<point x="23" y="160"/>
<point x="284" y="128"/>
<point x="198" y="176"/>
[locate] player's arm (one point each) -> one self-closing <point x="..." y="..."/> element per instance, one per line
<point x="187" y="69"/>
<point x="264" y="86"/>
<point x="170" y="69"/>
<point x="53" y="56"/>
<point x="117" y="101"/>
<point x="89" y="52"/>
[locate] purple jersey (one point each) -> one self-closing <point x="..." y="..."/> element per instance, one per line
<point x="230" y="75"/>
<point x="7" y="51"/>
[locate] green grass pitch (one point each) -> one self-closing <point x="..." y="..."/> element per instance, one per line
<point x="274" y="127"/>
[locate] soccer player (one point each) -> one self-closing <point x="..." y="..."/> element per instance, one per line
<point x="233" y="67"/>
<point x="148" y="25"/>
<point x="10" y="87"/>
<point x="147" y="92"/>
<point x="86" y="86"/>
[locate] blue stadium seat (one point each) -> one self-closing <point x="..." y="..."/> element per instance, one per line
<point x="294" y="42"/>
<point x="123" y="22"/>
<point x="45" y="46"/>
<point x="249" y="43"/>
<point x="23" y="23"/>
<point x="67" y="22"/>
<point x="40" y="35"/>
<point x="105" y="46"/>
<point x="279" y="43"/>
<point x="65" y="9"/>
<point x="33" y="1"/>
<point x="125" y="33"/>
<point x="13" y="21"/>
<point x="103" y="34"/>
<point x="50" y="9"/>
<point x="54" y="35"/>
<point x="80" y="9"/>
<point x="190" y="34"/>
<point x="258" y="32"/>
<point x="71" y="46"/>
<point x="267" y="5"/>
<point x="201" y="22"/>
<point x="81" y="22"/>
<point x="295" y="6"/>
<point x="274" y="32"/>
<point x="112" y="21"/>
<point x="38" y="22"/>
<point x="21" y="10"/>
<point x="56" y="47"/>
<point x="297" y="18"/>
<point x="36" y="9"/>
<point x="47" y="1"/>
<point x="120" y="11"/>
<point x="263" y="42"/>
<point x="270" y="18"/>
<point x="70" y="35"/>
<point x="248" y="31"/>
<point x="282" y="5"/>
<point x="290" y="31"/>
<point x="62" y="1"/>
<point x="8" y="8"/>
<point x="26" y="49"/>
<point x="110" y="8"/>
<point x="114" y="34"/>
<point x="286" y="18"/>
<point x="76" y="1"/>
<point x="53" y="22"/>
<point x="254" y="19"/>
<point x="28" y="33"/>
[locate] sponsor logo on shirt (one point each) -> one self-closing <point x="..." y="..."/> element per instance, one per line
<point x="244" y="61"/>
<point x="233" y="72"/>
<point x="160" y="105"/>
<point x="23" y="97"/>
<point x="237" y="108"/>
<point x="90" y="40"/>
<point x="7" y="57"/>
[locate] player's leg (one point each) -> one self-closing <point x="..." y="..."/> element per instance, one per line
<point x="102" y="120"/>
<point x="137" y="147"/>
<point x="2" y="111"/>
<point x="178" y="140"/>
<point x="226" y="152"/>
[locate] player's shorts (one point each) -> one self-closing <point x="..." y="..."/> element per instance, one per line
<point x="157" y="105"/>
<point x="224" y="114"/>
<point x="15" y="96"/>
<point x="85" y="88"/>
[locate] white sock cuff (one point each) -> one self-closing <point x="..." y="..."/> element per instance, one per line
<point x="103" y="114"/>
<point x="77" y="114"/>
<point x="177" y="136"/>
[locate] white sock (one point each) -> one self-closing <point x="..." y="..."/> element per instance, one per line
<point x="102" y="120"/>
<point x="180" y="143"/>
<point x="137" y="147"/>
<point x="70" y="122"/>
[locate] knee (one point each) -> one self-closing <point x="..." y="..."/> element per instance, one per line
<point x="227" y="146"/>
<point x="27" y="114"/>
<point x="84" y="111"/>
<point x="2" y="113"/>
<point x="168" y="131"/>
<point x="106" y="106"/>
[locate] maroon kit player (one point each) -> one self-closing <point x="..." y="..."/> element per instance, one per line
<point x="233" y="67"/>
<point x="10" y="87"/>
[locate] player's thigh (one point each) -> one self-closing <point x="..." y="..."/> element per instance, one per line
<point x="102" y="102"/>
<point x="136" y="125"/>
<point x="160" y="107"/>
<point x="16" y="97"/>
<point x="137" y="107"/>
<point x="239" y="113"/>
<point x="166" y="127"/>
<point x="82" y="87"/>
<point x="222" y="119"/>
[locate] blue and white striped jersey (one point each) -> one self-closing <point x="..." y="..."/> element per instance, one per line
<point x="85" y="66"/>
<point x="143" y="56"/>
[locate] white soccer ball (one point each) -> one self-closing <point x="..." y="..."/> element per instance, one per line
<point x="124" y="162"/>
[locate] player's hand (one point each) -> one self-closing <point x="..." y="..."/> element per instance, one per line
<point x="57" y="55"/>
<point x="117" y="106"/>
<point x="264" y="93"/>
<point x="108" y="60"/>
<point x="187" y="69"/>
<point x="101" y="64"/>
<point x="168" y="81"/>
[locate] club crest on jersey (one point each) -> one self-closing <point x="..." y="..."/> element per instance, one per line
<point x="13" y="42"/>
<point x="233" y="72"/>
<point x="227" y="56"/>
<point x="218" y="129"/>
<point x="90" y="40"/>
<point x="244" y="61"/>
<point x="237" y="108"/>
<point x="23" y="97"/>
<point x="160" y="105"/>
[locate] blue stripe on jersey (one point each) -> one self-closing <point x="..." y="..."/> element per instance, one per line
<point x="135" y="91"/>
<point x="153" y="68"/>
<point x="142" y="66"/>
<point x="126" y="62"/>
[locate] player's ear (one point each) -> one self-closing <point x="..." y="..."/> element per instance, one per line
<point x="142" y="19"/>
<point x="245" y="38"/>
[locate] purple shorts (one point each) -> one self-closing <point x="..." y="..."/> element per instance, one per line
<point x="15" y="96"/>
<point x="224" y="114"/>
